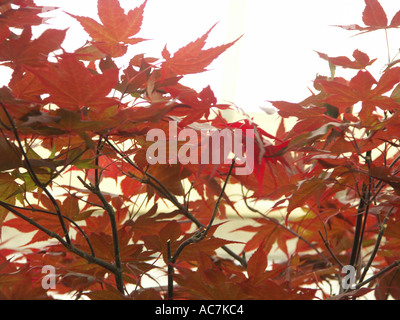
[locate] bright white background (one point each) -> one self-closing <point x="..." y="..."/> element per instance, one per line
<point x="275" y="59"/>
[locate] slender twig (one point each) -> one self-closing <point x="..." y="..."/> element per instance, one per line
<point x="170" y="272"/>
<point x="70" y="247"/>
<point x="32" y="209"/>
<point x="114" y="228"/>
<point x="197" y="237"/>
<point x="96" y="170"/>
<point x="326" y="243"/>
<point x="66" y="165"/>
<point x="359" y="224"/>
<point x="287" y="229"/>
<point x="382" y="228"/>
<point x="378" y="274"/>
<point x="216" y="207"/>
<point x="34" y="177"/>
<point x="202" y="232"/>
<point x="387" y="44"/>
<point x="156" y="184"/>
<point x="365" y="216"/>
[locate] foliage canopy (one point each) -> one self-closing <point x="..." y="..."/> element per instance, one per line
<point x="72" y="121"/>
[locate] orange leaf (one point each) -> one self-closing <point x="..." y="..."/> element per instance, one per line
<point x="258" y="262"/>
<point x="192" y="58"/>
<point x="73" y="86"/>
<point x="117" y="29"/>
<point x="170" y="177"/>
<point x="24" y="51"/>
<point x="361" y="60"/>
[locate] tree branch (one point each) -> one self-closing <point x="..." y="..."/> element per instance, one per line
<point x="90" y="258"/>
<point x="114" y="228"/>
<point x="164" y="191"/>
<point x="32" y="209"/>
<point x="34" y="177"/>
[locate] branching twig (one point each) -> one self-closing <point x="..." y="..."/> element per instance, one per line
<point x="197" y="237"/>
<point x="382" y="228"/>
<point x="90" y="258"/>
<point x="34" y="177"/>
<point x="156" y="184"/>
<point x="326" y="243"/>
<point x="378" y="274"/>
<point x="32" y="209"/>
<point x="114" y="228"/>
<point x="287" y="229"/>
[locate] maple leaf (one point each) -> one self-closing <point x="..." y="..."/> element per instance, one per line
<point x="73" y="86"/>
<point x="154" y="112"/>
<point x="361" y="60"/>
<point x="257" y="263"/>
<point x="192" y="58"/>
<point x="374" y="17"/>
<point x="26" y="86"/>
<point x="25" y="15"/>
<point x="117" y="28"/>
<point x="170" y="177"/>
<point x="265" y="153"/>
<point x="265" y="235"/>
<point x="359" y="89"/>
<point x="11" y="156"/>
<point x="208" y="283"/>
<point x="200" y="103"/>
<point x="24" y="51"/>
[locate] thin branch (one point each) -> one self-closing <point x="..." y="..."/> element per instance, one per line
<point x="66" y="165"/>
<point x="365" y="216"/>
<point x="168" y="195"/>
<point x="387" y="45"/>
<point x="382" y="229"/>
<point x="202" y="232"/>
<point x="359" y="224"/>
<point x="287" y="229"/>
<point x="326" y="243"/>
<point x="216" y="207"/>
<point x="170" y="273"/>
<point x="32" y="209"/>
<point x="378" y="274"/>
<point x="33" y="176"/>
<point x="114" y="228"/>
<point x="197" y="237"/>
<point x="70" y="247"/>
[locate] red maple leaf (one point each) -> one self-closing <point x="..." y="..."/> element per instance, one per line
<point x="374" y="17"/>
<point x="117" y="28"/>
<point x="359" y="89"/>
<point x="24" y="51"/>
<point x="192" y="58"/>
<point x="73" y="86"/>
<point x="361" y="60"/>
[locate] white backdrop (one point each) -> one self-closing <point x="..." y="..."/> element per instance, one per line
<point x="275" y="59"/>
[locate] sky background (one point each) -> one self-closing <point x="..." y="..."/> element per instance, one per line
<point x="275" y="58"/>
